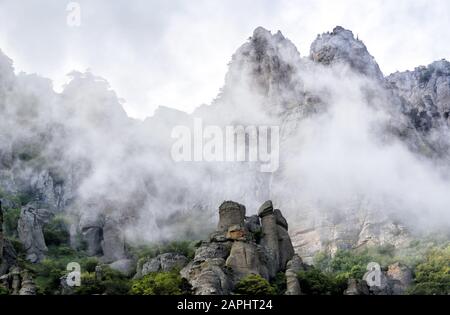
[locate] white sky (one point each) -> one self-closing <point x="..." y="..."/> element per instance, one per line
<point x="175" y="52"/>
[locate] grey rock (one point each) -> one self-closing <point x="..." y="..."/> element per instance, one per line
<point x="113" y="243"/>
<point x="208" y="277"/>
<point x="30" y="225"/>
<point x="230" y="213"/>
<point x="340" y="46"/>
<point x="293" y="267"/>
<point x="286" y="250"/>
<point x="246" y="259"/>
<point x="253" y="224"/>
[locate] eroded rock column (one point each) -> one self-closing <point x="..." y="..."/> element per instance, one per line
<point x="231" y="214"/>
<point x="270" y="235"/>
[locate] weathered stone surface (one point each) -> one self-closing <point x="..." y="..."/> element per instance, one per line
<point x="270" y="236"/>
<point x="208" y="277"/>
<point x="230" y="213"/>
<point x="253" y="224"/>
<point x="286" y="249"/>
<point x="340" y="46"/>
<point x="265" y="209"/>
<point x="213" y="250"/>
<point x="246" y="259"/>
<point x="293" y="267"/>
<point x="400" y="278"/>
<point x="31" y="222"/>
<point x="93" y="237"/>
<point x="27" y="287"/>
<point x="237" y="233"/>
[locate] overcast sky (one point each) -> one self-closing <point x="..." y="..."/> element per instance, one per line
<point x="175" y="52"/>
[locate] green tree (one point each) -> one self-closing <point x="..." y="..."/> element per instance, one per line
<point x="254" y="285"/>
<point x="160" y="283"/>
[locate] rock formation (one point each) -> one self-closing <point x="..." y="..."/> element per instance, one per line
<point x="240" y="246"/>
<point x="18" y="282"/>
<point x="30" y="228"/>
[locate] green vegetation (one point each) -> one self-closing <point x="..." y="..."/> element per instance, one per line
<point x="433" y="275"/>
<point x="56" y="232"/>
<point x="316" y="282"/>
<point x="254" y="285"/>
<point x="111" y="282"/>
<point x="11" y="218"/>
<point x="161" y="283"/>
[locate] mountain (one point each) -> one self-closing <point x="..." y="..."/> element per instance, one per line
<point x="363" y="157"/>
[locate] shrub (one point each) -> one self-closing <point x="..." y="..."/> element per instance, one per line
<point x="111" y="283"/>
<point x="254" y="285"/>
<point x="161" y="283"/>
<point x="11" y="219"/>
<point x="279" y="283"/>
<point x="3" y="291"/>
<point x="56" y="232"/>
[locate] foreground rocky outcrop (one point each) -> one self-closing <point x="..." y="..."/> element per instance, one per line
<point x="18" y="282"/>
<point x="241" y="246"/>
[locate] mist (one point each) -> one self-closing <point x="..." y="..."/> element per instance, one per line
<point x="337" y="153"/>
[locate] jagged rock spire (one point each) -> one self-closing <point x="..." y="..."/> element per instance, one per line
<point x="340" y="46"/>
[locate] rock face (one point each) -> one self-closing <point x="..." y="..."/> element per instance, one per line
<point x="293" y="267"/>
<point x="31" y="222"/>
<point x="241" y="246"/>
<point x="340" y="46"/>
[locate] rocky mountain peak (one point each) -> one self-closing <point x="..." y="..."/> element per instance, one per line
<point x="341" y="46"/>
<point x="267" y="65"/>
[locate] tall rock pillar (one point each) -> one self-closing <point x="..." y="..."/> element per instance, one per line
<point x="270" y="235"/>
